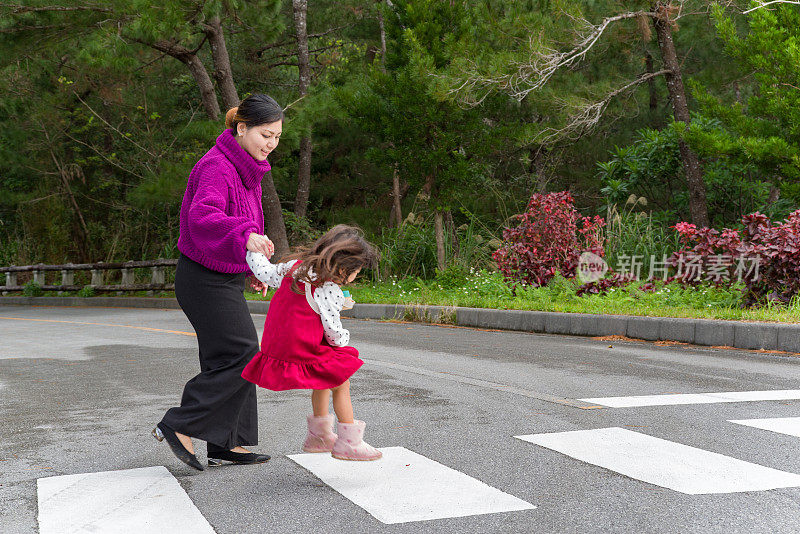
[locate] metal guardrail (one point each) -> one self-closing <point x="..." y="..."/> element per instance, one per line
<point x="98" y="274"/>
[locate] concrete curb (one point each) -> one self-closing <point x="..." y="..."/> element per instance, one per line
<point x="710" y="332"/>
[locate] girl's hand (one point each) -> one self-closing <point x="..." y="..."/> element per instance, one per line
<point x="259" y="286"/>
<point x="260" y="243"/>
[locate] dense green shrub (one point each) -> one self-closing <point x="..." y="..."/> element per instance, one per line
<point x="32" y="289"/>
<point x="453" y="276"/>
<point x="631" y="234"/>
<point x="408" y="251"/>
<point x="652" y="168"/>
<point x="299" y="230"/>
<point x="86" y="291"/>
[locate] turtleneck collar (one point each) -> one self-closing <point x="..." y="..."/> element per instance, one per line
<point x="250" y="171"/>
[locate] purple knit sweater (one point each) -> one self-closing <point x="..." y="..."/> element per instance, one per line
<point x="222" y="206"/>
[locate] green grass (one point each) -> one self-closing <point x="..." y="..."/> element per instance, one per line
<point x="487" y="290"/>
<point x="632" y="234"/>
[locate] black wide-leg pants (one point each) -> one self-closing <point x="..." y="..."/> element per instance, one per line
<point x="218" y="405"/>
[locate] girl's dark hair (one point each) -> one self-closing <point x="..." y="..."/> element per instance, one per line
<point x="255" y="110"/>
<point x="334" y="256"/>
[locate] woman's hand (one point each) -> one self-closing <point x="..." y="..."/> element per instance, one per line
<point x="260" y="243"/>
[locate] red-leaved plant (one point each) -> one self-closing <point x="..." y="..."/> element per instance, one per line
<point x="605" y="284"/>
<point x="764" y="255"/>
<point x="549" y="237"/>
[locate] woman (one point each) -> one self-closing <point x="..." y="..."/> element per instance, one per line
<point x="221" y="219"/>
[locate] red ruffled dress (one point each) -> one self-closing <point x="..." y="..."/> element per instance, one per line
<point x="294" y="352"/>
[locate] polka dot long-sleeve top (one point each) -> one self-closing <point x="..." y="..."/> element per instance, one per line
<point x="328" y="297"/>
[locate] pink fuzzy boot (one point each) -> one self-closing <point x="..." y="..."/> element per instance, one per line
<point x="351" y="446"/>
<point x="320" y="436"/>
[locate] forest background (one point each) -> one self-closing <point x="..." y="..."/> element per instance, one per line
<point x="429" y="123"/>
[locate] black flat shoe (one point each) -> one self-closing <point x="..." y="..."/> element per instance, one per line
<point x="162" y="432"/>
<point x="216" y="458"/>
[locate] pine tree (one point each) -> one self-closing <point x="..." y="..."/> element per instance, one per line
<point x="761" y="127"/>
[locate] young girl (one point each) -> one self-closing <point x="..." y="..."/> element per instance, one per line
<point x="304" y="344"/>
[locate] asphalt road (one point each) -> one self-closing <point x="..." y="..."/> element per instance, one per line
<point x="81" y="388"/>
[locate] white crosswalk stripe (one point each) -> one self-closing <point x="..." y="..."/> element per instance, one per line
<point x="664" y="463"/>
<point x="781" y="425"/>
<point x="130" y="501"/>
<point x="695" y="398"/>
<point x="404" y="486"/>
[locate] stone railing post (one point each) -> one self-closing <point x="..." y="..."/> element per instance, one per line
<point x="67" y="278"/>
<point x="38" y="277"/>
<point x="128" y="279"/>
<point x="11" y="280"/>
<point x="157" y="276"/>
<point x="97" y="277"/>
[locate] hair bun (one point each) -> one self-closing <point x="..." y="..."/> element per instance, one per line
<point x="229" y="116"/>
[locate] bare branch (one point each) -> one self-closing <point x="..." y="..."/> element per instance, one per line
<point x="293" y="103"/>
<point x="274" y="45"/>
<point x="542" y="64"/>
<point x="175" y="138"/>
<point x="103" y="155"/>
<point x="292" y="40"/>
<point x="33" y="200"/>
<point x="156" y="60"/>
<point x="725" y="4"/>
<point x="64" y="173"/>
<point x="18" y="29"/>
<point x="140" y="147"/>
<point x="336" y="29"/>
<point x="314" y="51"/>
<point x="765" y="4"/>
<point x="287" y="63"/>
<point x="17" y="8"/>
<point x="588" y="117"/>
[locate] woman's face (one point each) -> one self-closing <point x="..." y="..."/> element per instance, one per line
<point x="259" y="140"/>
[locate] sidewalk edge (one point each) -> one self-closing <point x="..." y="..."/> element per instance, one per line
<point x="708" y="332"/>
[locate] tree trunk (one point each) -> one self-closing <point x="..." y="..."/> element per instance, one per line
<point x="396" y="217"/>
<point x="223" y="73"/>
<point x="774" y="194"/>
<point x="300" y="8"/>
<point x="63" y="174"/>
<point x="537" y="168"/>
<point x="439" y="230"/>
<point x="382" y="27"/>
<point x="427" y="188"/>
<point x="397" y="197"/>
<point x="300" y="15"/>
<point x="450" y="226"/>
<point x="273" y="216"/>
<point x="651" y="83"/>
<point x="303" y="177"/>
<point x="198" y="70"/>
<point x="396" y="214"/>
<point x="83" y="243"/>
<point x="677" y="93"/>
